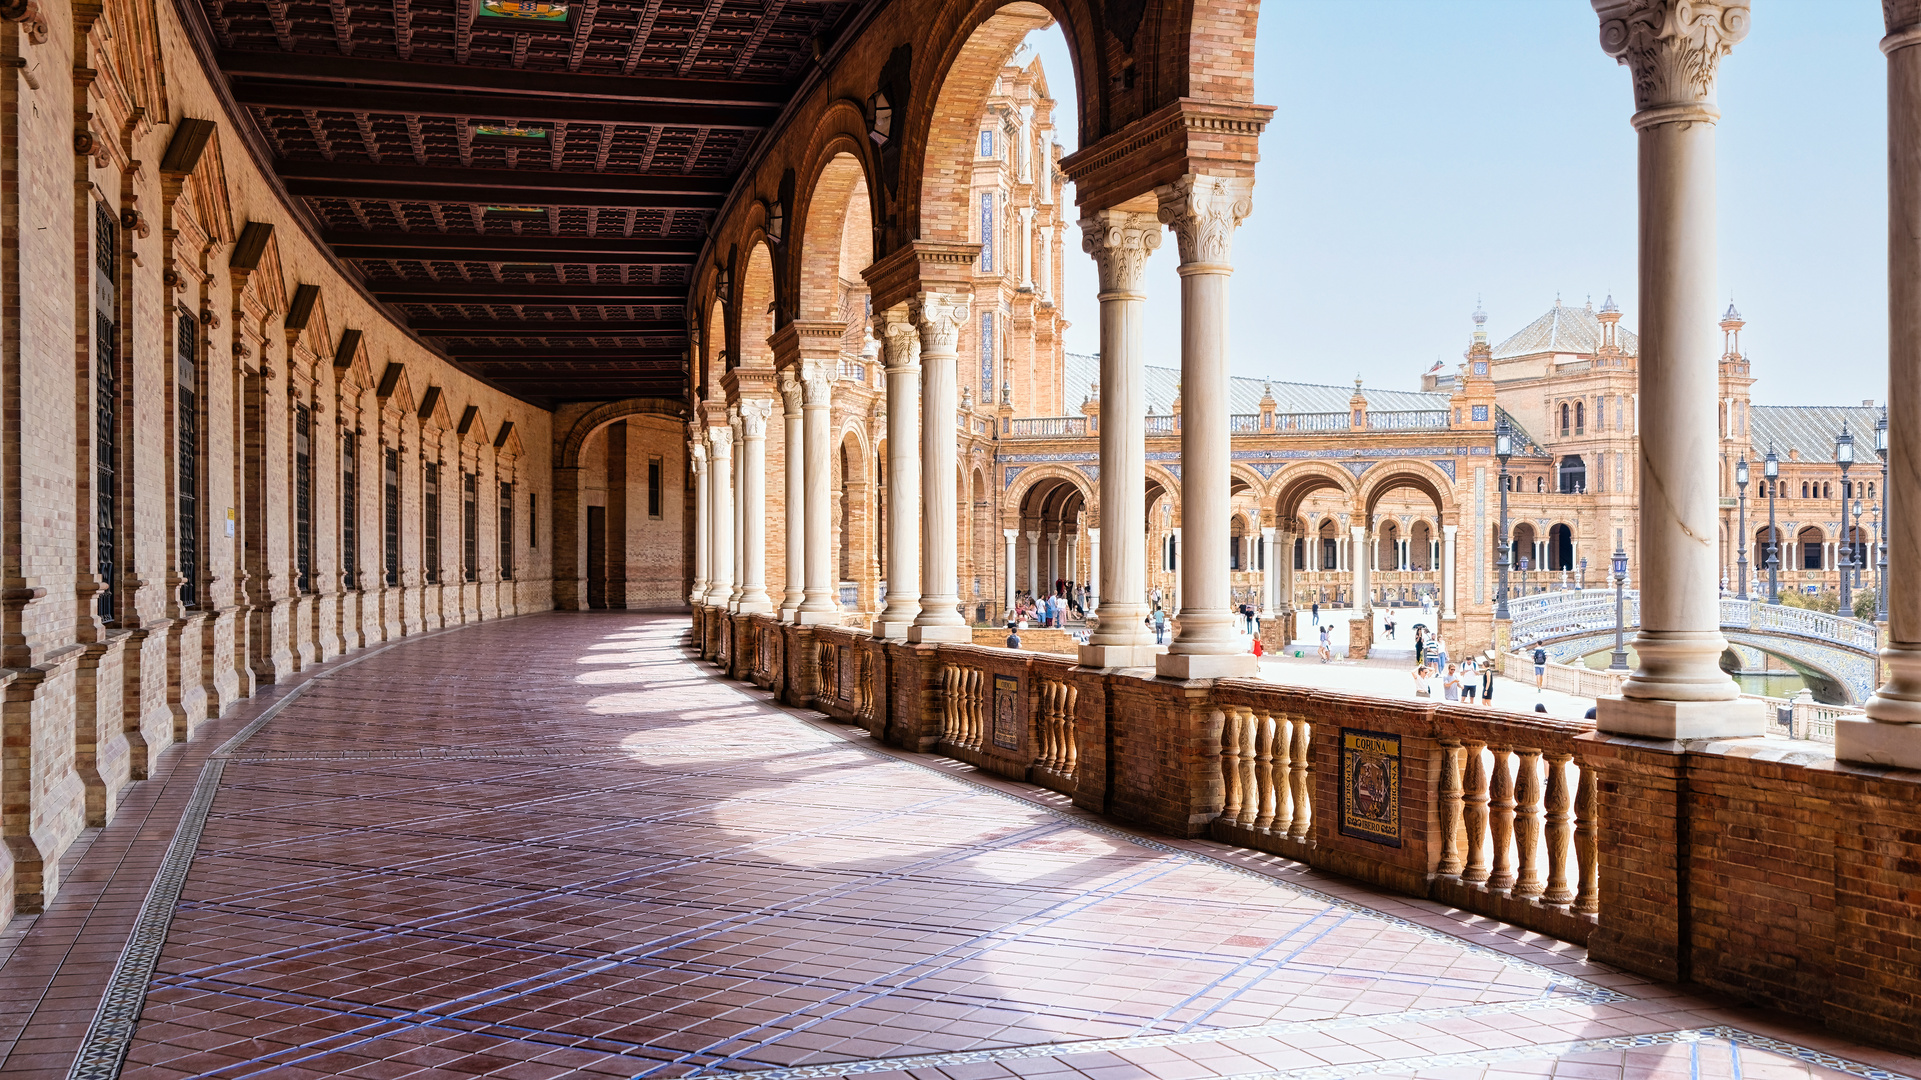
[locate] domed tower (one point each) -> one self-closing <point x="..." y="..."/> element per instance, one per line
<point x="1472" y="404"/>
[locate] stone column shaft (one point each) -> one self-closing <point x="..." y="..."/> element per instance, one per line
<point x="939" y="316"/>
<point x="1033" y="563"/>
<point x="1672" y="50"/>
<point x="1892" y="734"/>
<point x="697" y="457"/>
<point x="753" y="500"/>
<point x="1447" y="570"/>
<point x="1010" y="535"/>
<point x="1362" y="587"/>
<point x="1093" y="570"/>
<point x="1204" y="211"/>
<point x="793" y="515"/>
<point x="901" y="344"/>
<point x="1121" y="242"/>
<point x="721" y="535"/>
<point x="740" y="508"/>
<point x="819" y="604"/>
<point x="1267" y="572"/>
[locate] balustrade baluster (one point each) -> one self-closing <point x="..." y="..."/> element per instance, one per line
<point x="1276" y="801"/>
<point x="1298" y="766"/>
<point x="1260" y="814"/>
<point x="1250" y="763"/>
<point x="1529" y="879"/>
<point x="1588" y="900"/>
<point x="1048" y="728"/>
<point x="1452" y="859"/>
<point x="1500" y="801"/>
<point x="1232" y="721"/>
<point x="950" y="703"/>
<point x="1070" y="735"/>
<point x="1474" y="811"/>
<point x="1560" y="828"/>
<point x="975" y="726"/>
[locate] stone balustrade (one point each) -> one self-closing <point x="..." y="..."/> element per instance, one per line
<point x="1541" y="822"/>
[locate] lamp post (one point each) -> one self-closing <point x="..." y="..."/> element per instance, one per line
<point x="1881" y="522"/>
<point x="1620" y="659"/>
<point x="1741" y="485"/>
<point x="1857" y="551"/>
<point x="1771" y="471"/>
<point x="1844" y="457"/>
<point x="1503" y="449"/>
<point x="1583" y="583"/>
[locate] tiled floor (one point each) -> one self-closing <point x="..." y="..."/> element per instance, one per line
<point x="556" y="845"/>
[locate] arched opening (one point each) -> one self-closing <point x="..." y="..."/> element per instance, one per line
<point x="1560" y="548"/>
<point x="1813" y="545"/>
<point x="1573" y="475"/>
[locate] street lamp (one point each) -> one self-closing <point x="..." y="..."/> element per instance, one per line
<point x="1858" y="552"/>
<point x="1584" y="572"/>
<point x="1741" y="484"/>
<point x="1771" y="471"/>
<point x="1620" y="660"/>
<point x="1881" y="522"/>
<point x="1503" y="449"/>
<point x="1844" y="457"/>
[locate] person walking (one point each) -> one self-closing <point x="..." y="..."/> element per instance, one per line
<point x="1451" y="684"/>
<point x="1540" y="667"/>
<point x="1487" y="676"/>
<point x="1160" y="626"/>
<point x="1317" y="613"/>
<point x="1470" y="679"/>
<point x="1327" y="644"/>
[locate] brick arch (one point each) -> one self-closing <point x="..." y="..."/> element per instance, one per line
<point x="839" y="200"/>
<point x="713" y="342"/>
<point x="755" y="323"/>
<point x="602" y="415"/>
<point x="1297" y="482"/>
<point x="1406" y="473"/>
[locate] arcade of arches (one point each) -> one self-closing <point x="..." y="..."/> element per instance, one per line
<point x="343" y="334"/>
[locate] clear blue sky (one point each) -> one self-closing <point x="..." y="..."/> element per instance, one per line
<point x="1426" y="152"/>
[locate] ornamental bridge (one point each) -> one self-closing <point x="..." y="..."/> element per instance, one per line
<point x="1837" y="656"/>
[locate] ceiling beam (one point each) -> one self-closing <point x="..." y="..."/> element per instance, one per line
<point x="504" y="193"/>
<point x="636" y="89"/>
<point x="348" y="178"/>
<point x="546" y="328"/>
<point x="509" y="247"/>
<point x="499" y="106"/>
<point x="664" y="359"/>
<point x="535" y="293"/>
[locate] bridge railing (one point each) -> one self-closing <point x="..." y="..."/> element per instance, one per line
<point x="1779" y="619"/>
<point x="1585" y="611"/>
<point x="1048" y="427"/>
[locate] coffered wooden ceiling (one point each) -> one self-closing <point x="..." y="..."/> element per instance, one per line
<point x="525" y="182"/>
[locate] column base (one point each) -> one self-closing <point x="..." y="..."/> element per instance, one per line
<point x="1115" y="657"/>
<point x="1190" y="666"/>
<point x="892" y="629"/>
<point x="1877" y="742"/>
<point x="941" y="632"/>
<point x="804" y="617"/>
<point x="756" y="607"/>
<point x="1678" y="720"/>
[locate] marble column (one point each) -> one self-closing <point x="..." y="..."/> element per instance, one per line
<point x="1203" y="212"/>
<point x="697" y="458"/>
<point x="1447" y="570"/>
<point x="818" y="604"/>
<point x="721" y="535"/>
<point x="1268" y="554"/>
<point x="740" y="509"/>
<point x="1180" y="563"/>
<point x="900" y="345"/>
<point x="1120" y="242"/>
<point x="1034" y="563"/>
<point x="1892" y="733"/>
<point x="753" y="500"/>
<point x="1672" y="48"/>
<point x="1010" y="536"/>
<point x="939" y="317"/>
<point x="792" y="514"/>
<point x="1363" y="585"/>
<point x="1047" y="265"/>
<point x="1093" y="571"/>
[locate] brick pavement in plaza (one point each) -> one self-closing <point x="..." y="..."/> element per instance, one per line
<point x="556" y="845"/>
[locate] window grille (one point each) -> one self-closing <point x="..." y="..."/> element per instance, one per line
<point x="106" y="388"/>
<point x="303" y="497"/>
<point x="469" y="525"/>
<point x="430" y="521"/>
<point x="186" y="373"/>
<point x="391" y="489"/>
<point x="349" y="509"/>
<point x="506" y="530"/>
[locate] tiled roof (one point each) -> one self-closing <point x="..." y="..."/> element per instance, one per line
<point x="1563" y="329"/>
<point x="1811" y="430"/>
<point x="1083" y="371"/>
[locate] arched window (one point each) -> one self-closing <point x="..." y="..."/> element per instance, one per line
<point x="1540" y="485"/>
<point x="1813" y="548"/>
<point x="1804" y="490"/>
<point x="1236" y="531"/>
<point x="1827" y="490"/>
<point x="1580" y="417"/>
<point x="1564" y="415"/>
<point x="1573" y="478"/>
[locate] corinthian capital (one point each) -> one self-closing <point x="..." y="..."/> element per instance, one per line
<point x="722" y="440"/>
<point x="816" y="382"/>
<point x="899" y="338"/>
<point x="940" y="317"/>
<point x="753" y="418"/>
<point x="1672" y="48"/>
<point x="790" y="392"/>
<point x="1204" y="211"/>
<point x="1903" y="19"/>
<point x="697" y="453"/>
<point x="1120" y="241"/>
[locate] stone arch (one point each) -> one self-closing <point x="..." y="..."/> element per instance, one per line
<point x="1158" y="477"/>
<point x="602" y="415"/>
<point x="1297" y="482"/>
<point x="1038" y="475"/>
<point x="754" y="320"/>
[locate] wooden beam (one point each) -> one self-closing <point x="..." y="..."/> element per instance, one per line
<point x="504" y="193"/>
<point x="501" y="106"/>
<point x="539" y="293"/>
<point x="276" y="66"/>
<point x="546" y="327"/>
<point x="523" y="355"/>
<point x="508" y="247"/>
<point x="507" y="184"/>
